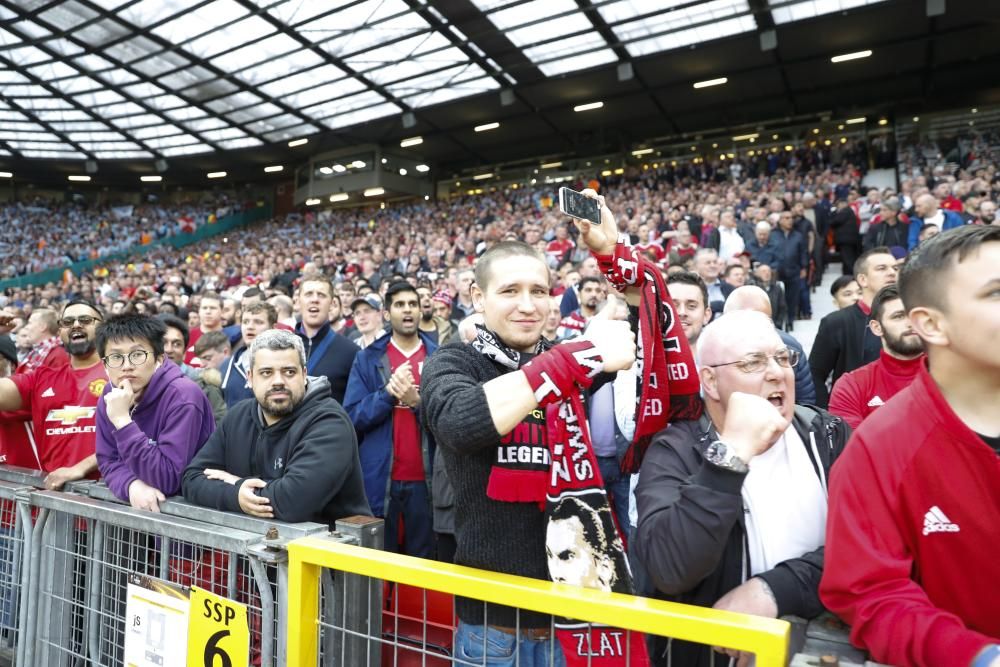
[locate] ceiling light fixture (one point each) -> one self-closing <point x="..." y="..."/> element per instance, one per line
<point x="6" y="174"/>
<point x="643" y="151"/>
<point x="297" y="142"/>
<point x="855" y="121"/>
<point x="312" y="202"/>
<point x="216" y="174"/>
<point x="358" y="164"/>
<point x="79" y="179"/>
<point x="339" y="168"/>
<point x="423" y="168"/>
<point x="551" y="165"/>
<point x="745" y="137"/>
<point x="325" y="170"/>
<point x="482" y="177"/>
<point x="589" y="106"/>
<point x="402" y="171"/>
<point x="487" y="126"/>
<point x="711" y="82"/>
<point x="851" y="56"/>
<point x="341" y="197"/>
<point x="150" y="179"/>
<point x="374" y="192"/>
<point x="412" y="141"/>
<point x="273" y="168"/>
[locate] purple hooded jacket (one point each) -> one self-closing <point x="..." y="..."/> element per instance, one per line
<point x="171" y="422"/>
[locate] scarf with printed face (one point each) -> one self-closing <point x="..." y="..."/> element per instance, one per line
<point x="582" y="543"/>
<point x="664" y="362"/>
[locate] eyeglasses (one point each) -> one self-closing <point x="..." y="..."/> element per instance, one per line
<point x="135" y="358"/>
<point x="85" y="320"/>
<point x="757" y="362"/>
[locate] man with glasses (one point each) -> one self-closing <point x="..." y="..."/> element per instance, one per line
<point x="732" y="507"/>
<point x="63" y="400"/>
<point x="151" y="419"/>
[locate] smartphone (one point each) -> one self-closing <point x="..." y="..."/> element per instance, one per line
<point x="575" y="205"/>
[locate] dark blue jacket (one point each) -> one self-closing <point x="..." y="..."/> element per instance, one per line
<point x="793" y="255"/>
<point x="766" y="254"/>
<point x="370" y="408"/>
<point x="234" y="380"/>
<point x="337" y="359"/>
<point x="951" y="220"/>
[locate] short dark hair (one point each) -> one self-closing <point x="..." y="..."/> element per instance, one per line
<point x="861" y="264"/>
<point x="211" y="340"/>
<point x="395" y="288"/>
<point x="689" y="278"/>
<point x="840" y="283"/>
<point x="923" y="276"/>
<point x="262" y="307"/>
<point x="211" y="296"/>
<point x="884" y="296"/>
<point x="483" y="271"/>
<point x="134" y="326"/>
<point x="730" y="268"/>
<point x="82" y="302"/>
<point x="588" y="279"/>
<point x="174" y="322"/>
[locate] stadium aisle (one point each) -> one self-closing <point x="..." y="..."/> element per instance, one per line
<point x="822" y="305"/>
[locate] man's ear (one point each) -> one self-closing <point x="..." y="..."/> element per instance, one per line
<point x="875" y="327"/>
<point x="709" y="383"/>
<point x="931" y="325"/>
<point x="478" y="298"/>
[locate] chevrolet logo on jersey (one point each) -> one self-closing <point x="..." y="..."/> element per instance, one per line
<point x="70" y="414"/>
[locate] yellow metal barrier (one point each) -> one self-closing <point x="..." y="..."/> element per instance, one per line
<point x="765" y="637"/>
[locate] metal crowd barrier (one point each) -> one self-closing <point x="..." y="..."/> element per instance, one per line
<point x="65" y="559"/>
<point x="369" y="642"/>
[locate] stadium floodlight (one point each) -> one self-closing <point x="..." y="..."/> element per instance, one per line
<point x="150" y="179"/>
<point x="216" y="174"/>
<point x="273" y="168"/>
<point x="589" y="106"/>
<point x="374" y="192"/>
<point x="297" y="142"/>
<point x="423" y="168"/>
<point x="79" y="179"/>
<point x="855" y="121"/>
<point x="711" y="82"/>
<point x="343" y="196"/>
<point x="412" y="141"/>
<point x="844" y="57"/>
<point x="487" y="126"/>
<point x="551" y="165"/>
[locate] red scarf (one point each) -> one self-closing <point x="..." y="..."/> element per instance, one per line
<point x="665" y="365"/>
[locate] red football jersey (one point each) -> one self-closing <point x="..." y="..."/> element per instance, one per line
<point x="407" y="456"/>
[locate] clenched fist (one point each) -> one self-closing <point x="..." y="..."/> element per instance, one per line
<point x="752" y="425"/>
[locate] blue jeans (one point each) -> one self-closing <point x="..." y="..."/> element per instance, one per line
<point x="496" y="648"/>
<point x="617" y="486"/>
<point x="410" y="502"/>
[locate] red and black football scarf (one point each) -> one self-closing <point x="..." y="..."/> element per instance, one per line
<point x="664" y="362"/>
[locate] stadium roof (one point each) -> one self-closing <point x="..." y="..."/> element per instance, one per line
<point x="143" y="80"/>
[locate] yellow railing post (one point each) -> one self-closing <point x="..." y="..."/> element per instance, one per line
<point x="303" y="609"/>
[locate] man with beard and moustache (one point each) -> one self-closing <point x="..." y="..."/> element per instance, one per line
<point x="383" y="401"/>
<point x="591" y="292"/>
<point x="690" y="297"/>
<point x="63" y="400"/>
<point x="859" y="393"/>
<point x="290" y="454"/>
<point x="439" y="329"/>
<point x="329" y="353"/>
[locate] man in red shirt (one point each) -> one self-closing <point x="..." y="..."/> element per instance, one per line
<point x="558" y="250"/>
<point x="209" y="318"/>
<point x="915" y="497"/>
<point x="63" y="400"/>
<point x="383" y="399"/>
<point x="16" y="448"/>
<point x="860" y="392"/>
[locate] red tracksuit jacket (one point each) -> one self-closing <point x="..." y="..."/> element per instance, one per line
<point x="913" y="534"/>
<point x="860" y="392"/>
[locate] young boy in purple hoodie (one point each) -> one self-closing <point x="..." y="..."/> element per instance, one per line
<point x="151" y="419"/>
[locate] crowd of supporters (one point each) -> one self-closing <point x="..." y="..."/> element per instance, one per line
<point x="416" y="362"/>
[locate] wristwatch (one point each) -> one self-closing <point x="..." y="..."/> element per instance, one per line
<point x="720" y="455"/>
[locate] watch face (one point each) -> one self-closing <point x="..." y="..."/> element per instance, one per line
<point x="716" y="452"/>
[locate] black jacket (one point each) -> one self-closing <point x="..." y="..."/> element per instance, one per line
<point x="843" y="343"/>
<point x="845" y="227"/>
<point x="691" y="534"/>
<point x="882" y="234"/>
<point x="337" y="359"/>
<point x="309" y="460"/>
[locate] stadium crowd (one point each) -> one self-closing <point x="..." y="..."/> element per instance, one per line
<point x="428" y="362"/>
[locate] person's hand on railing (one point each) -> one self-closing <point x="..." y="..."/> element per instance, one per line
<point x="221" y="475"/>
<point x="142" y="496"/>
<point x="752" y="597"/>
<point x="253" y="504"/>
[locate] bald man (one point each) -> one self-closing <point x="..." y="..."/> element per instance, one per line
<point x="928" y="212"/>
<point x="753" y="449"/>
<point x="751" y="297"/>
